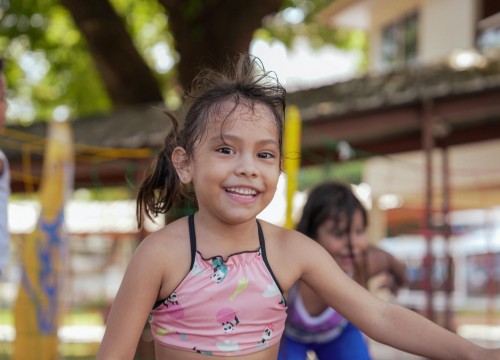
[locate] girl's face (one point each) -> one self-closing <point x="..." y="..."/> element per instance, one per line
<point x="236" y="165"/>
<point x="336" y="240"/>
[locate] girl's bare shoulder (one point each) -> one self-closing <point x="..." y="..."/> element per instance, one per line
<point x="171" y="232"/>
<point x="285" y="239"/>
<point x="288" y="252"/>
<point x="167" y="252"/>
<point x="170" y="242"/>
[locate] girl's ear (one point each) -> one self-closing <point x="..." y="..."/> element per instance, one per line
<point x="181" y="163"/>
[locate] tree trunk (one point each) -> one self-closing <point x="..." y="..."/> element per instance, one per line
<point x="207" y="31"/>
<point x="126" y="76"/>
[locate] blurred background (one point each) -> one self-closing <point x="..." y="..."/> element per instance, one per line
<point x="399" y="98"/>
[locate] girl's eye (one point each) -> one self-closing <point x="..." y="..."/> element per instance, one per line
<point x="225" y="150"/>
<point x="265" y="155"/>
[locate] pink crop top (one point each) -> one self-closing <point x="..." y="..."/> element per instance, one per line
<point x="227" y="308"/>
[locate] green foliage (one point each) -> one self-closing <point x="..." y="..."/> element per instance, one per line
<point x="147" y="24"/>
<point x="350" y="172"/>
<point x="298" y="19"/>
<point x="47" y="63"/>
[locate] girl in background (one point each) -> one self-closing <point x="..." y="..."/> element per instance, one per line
<point x="337" y="220"/>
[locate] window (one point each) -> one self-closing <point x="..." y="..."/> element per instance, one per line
<point x="400" y="43"/>
<point x="489" y="39"/>
<point x="488" y="36"/>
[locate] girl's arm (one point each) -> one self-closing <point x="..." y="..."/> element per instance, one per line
<point x="135" y="298"/>
<point x="384" y="322"/>
<point x="380" y="261"/>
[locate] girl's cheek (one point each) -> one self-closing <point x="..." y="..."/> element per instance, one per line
<point x="339" y="247"/>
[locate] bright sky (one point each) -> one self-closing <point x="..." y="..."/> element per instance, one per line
<point x="304" y="67"/>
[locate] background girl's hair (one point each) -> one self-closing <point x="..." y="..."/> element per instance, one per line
<point x="242" y="82"/>
<point x="332" y="201"/>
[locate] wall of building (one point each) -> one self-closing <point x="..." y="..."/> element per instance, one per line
<point x="445" y="25"/>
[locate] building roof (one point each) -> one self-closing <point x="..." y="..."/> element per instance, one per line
<point x="383" y="113"/>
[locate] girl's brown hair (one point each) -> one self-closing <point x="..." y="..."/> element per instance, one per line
<point x="243" y="82"/>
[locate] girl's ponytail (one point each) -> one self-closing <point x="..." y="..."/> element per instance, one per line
<point x="161" y="186"/>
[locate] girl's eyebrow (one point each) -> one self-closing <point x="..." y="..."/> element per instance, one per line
<point x="223" y="136"/>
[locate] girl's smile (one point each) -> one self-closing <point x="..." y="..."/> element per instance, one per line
<point x="242" y="194"/>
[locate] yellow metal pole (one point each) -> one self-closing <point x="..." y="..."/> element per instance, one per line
<point x="44" y="254"/>
<point x="291" y="164"/>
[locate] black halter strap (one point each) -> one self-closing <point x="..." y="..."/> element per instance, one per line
<point x="264" y="256"/>
<point x="192" y="239"/>
<point x="262" y="243"/>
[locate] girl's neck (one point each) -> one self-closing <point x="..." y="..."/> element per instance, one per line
<point x="219" y="238"/>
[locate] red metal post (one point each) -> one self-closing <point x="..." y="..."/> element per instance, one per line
<point x="448" y="286"/>
<point x="428" y="261"/>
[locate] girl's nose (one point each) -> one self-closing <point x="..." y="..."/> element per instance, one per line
<point x="247" y="166"/>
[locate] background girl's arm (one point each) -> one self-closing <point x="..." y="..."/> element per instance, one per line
<point x="135" y="298"/>
<point x="384" y="322"/>
<point x="379" y="261"/>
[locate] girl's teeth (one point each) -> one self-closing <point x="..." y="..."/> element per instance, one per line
<point x="242" y="191"/>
